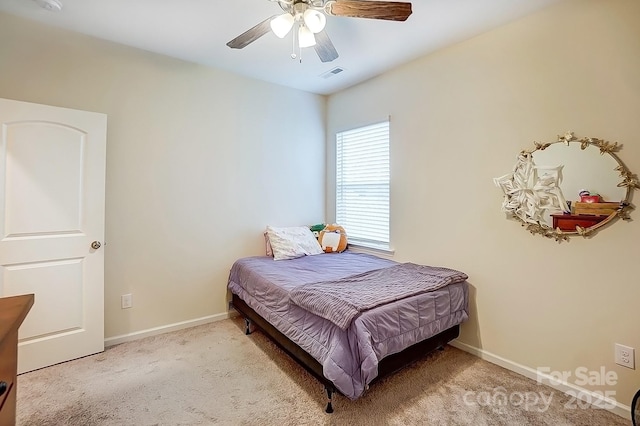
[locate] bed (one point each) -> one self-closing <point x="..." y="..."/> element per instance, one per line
<point x="345" y="355"/>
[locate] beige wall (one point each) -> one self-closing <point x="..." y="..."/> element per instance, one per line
<point x="198" y="162"/>
<point x="459" y="117"/>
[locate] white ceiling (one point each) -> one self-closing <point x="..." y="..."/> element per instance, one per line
<point x="198" y="30"/>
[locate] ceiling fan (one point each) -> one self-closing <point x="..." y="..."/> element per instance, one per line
<point x="310" y="18"/>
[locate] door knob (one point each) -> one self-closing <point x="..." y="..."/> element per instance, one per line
<point x="96" y="245"/>
<point x="3" y="387"/>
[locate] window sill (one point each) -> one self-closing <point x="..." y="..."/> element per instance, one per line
<point x="388" y="253"/>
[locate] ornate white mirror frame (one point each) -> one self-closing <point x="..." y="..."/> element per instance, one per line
<point x="528" y="196"/>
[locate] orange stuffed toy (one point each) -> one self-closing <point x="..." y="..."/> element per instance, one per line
<point x="333" y="239"/>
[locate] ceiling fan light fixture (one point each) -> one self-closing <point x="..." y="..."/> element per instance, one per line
<point x="305" y="37"/>
<point x="310" y="16"/>
<point x="281" y="25"/>
<point x="314" y="20"/>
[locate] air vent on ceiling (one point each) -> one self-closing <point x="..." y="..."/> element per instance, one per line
<point x="332" y="72"/>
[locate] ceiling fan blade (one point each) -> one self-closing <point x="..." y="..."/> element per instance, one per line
<point x="325" y="48"/>
<point x="389" y="10"/>
<point x="251" y="35"/>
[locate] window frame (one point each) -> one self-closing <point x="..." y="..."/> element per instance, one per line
<point x="374" y="234"/>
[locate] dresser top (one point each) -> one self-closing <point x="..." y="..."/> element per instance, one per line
<point x="13" y="310"/>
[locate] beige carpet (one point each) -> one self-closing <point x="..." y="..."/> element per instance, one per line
<point x="214" y="374"/>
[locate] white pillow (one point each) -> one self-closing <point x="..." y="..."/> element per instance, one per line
<point x="268" y="250"/>
<point x="292" y="242"/>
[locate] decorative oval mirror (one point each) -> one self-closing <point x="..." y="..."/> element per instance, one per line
<point x="568" y="187"/>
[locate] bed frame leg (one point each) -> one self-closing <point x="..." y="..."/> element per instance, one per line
<point x="248" y="326"/>
<point x="330" y="391"/>
<point x="441" y="348"/>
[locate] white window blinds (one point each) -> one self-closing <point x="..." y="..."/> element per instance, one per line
<point x="362" y="184"/>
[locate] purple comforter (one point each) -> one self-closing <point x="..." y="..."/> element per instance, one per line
<point x="349" y="357"/>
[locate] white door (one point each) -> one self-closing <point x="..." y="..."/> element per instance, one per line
<point x="52" y="181"/>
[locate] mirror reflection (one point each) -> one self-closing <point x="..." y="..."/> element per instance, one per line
<point x="588" y="184"/>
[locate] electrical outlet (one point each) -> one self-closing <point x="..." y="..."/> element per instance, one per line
<point x="126" y="301"/>
<point x="625" y="356"/>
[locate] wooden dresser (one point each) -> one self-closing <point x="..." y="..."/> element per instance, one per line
<point x="13" y="310"/>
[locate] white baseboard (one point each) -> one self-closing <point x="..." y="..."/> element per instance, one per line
<point x="564" y="387"/>
<point x="111" y="341"/>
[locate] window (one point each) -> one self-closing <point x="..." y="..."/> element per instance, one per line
<point x="362" y="185"/>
